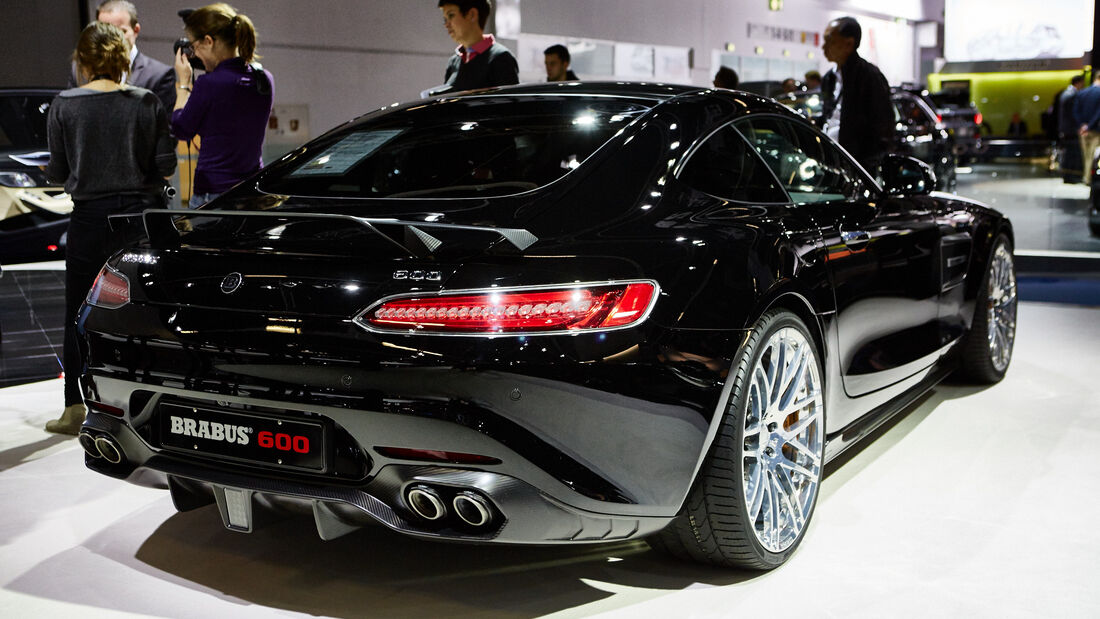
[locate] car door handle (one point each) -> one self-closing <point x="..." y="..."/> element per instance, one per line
<point x="852" y="238"/>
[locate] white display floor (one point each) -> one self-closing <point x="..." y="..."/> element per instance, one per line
<point x="976" y="503"/>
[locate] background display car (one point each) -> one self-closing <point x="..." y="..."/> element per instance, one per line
<point x="917" y="131"/>
<point x="541" y="315"/>
<point x="34" y="214"/>
<point x="960" y="117"/>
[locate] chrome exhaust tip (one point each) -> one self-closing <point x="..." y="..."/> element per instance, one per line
<point x="425" y="502"/>
<point x="472" y="509"/>
<point x="87" y="442"/>
<point x="108" y="449"/>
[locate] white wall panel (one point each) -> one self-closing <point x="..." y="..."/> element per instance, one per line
<point x="343" y="58"/>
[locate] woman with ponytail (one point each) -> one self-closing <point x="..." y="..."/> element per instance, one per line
<point x="109" y="144"/>
<point x="228" y="106"/>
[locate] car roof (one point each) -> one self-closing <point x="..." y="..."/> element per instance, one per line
<point x="656" y="93"/>
<point x="652" y="95"/>
<point x="646" y="90"/>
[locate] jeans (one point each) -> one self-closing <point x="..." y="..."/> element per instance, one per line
<point x="199" y="199"/>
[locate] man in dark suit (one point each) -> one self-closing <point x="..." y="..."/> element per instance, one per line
<point x="479" y="61"/>
<point x="862" y="96"/>
<point x="145" y="72"/>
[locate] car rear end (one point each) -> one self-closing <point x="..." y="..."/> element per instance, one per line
<point x="962" y="119"/>
<point x="418" y="359"/>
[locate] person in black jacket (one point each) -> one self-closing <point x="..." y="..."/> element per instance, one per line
<point x="479" y="61"/>
<point x="863" y="108"/>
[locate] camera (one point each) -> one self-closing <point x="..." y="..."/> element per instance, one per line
<point x="189" y="51"/>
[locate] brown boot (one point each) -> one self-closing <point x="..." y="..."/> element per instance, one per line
<point x="70" y="420"/>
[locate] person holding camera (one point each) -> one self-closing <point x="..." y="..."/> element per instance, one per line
<point x="229" y="106"/>
<point x="110" y="145"/>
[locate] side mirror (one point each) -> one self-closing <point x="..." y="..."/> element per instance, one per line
<point x="903" y="176"/>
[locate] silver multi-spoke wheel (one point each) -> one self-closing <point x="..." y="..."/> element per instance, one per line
<point x="987" y="349"/>
<point x="783" y="439"/>
<point x="1001" y="317"/>
<point x="758" y="485"/>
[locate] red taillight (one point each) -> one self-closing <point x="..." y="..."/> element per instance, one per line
<point x="582" y="307"/>
<point x="434" y="455"/>
<point x="939" y="118"/>
<point x="51" y="248"/>
<point x="111" y="289"/>
<point x="978" y="118"/>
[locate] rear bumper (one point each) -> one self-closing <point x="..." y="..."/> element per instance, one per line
<point x="521" y="514"/>
<point x="575" y="464"/>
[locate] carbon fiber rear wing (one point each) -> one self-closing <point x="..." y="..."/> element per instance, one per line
<point x="166" y="228"/>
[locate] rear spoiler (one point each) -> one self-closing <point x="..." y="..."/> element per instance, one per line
<point x="165" y="228"/>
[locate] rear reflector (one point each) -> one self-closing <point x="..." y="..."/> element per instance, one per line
<point x="978" y="118"/>
<point x="433" y="455"/>
<point x="111" y="289"/>
<point x="105" y="408"/>
<point x="517" y="311"/>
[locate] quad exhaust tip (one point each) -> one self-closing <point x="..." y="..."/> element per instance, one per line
<point x="425" y="502"/>
<point x="109" y="449"/>
<point x="103" y="446"/>
<point x="472" y="509"/>
<point x="87" y="442"/>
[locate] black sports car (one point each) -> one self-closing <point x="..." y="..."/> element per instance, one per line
<point x="553" y="313"/>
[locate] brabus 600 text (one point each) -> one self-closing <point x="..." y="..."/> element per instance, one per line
<point x="210" y="430"/>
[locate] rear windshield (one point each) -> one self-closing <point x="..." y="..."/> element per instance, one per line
<point x="459" y="148"/>
<point x="952" y="98"/>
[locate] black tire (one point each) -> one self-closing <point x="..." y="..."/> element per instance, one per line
<point x="716" y="524"/>
<point x="986" y="353"/>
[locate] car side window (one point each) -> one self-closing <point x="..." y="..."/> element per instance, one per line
<point x="809" y="167"/>
<point x="725" y="166"/>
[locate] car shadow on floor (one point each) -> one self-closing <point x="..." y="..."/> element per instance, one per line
<point x="376" y="572"/>
<point x="15" y="456"/>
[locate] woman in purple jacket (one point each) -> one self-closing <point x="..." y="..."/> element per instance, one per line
<point x="228" y="106"/>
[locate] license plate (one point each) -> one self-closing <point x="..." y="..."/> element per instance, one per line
<point x="247" y="438"/>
